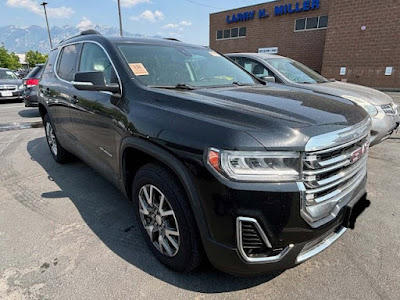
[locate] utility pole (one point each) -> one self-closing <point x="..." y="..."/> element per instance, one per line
<point x="47" y="22"/>
<point x="120" y="18"/>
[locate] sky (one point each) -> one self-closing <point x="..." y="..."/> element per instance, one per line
<point x="187" y="20"/>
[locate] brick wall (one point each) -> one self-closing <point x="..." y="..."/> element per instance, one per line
<point x="274" y="31"/>
<point x="365" y="54"/>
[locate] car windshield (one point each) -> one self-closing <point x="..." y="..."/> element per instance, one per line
<point x="182" y="66"/>
<point x="295" y="71"/>
<point x="6" y="74"/>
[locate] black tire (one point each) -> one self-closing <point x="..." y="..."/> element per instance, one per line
<point x="60" y="155"/>
<point x="190" y="252"/>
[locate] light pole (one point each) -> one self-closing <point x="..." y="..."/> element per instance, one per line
<point x="120" y="18"/>
<point x="47" y="22"/>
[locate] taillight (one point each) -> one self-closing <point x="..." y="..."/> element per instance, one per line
<point x="32" y="82"/>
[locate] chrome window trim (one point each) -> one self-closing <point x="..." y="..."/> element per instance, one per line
<point x="257" y="260"/>
<point x="321" y="246"/>
<point x="82" y="42"/>
<point x="339" y="137"/>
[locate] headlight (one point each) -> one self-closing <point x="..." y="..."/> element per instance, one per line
<point x="371" y="109"/>
<point x="256" y="166"/>
<point x="21" y="87"/>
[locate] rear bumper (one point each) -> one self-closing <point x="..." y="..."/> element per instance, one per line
<point x="31" y="100"/>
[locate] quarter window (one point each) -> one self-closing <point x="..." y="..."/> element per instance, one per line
<point x="67" y="63"/>
<point x="94" y="58"/>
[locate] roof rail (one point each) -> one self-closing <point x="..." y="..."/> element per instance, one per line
<point x="172" y="39"/>
<point x="85" y="32"/>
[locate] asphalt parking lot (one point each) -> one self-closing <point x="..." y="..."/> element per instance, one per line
<point x="66" y="233"/>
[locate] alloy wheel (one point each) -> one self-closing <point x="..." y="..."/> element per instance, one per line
<point x="158" y="218"/>
<point x="51" y="138"/>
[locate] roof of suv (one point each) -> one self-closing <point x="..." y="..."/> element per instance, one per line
<point x="259" y="55"/>
<point x="92" y="35"/>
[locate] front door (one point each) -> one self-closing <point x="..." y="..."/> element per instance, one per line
<point x="94" y="116"/>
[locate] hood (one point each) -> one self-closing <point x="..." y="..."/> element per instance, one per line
<point x="11" y="82"/>
<point x="291" y="114"/>
<point x="300" y="108"/>
<point x="340" y="89"/>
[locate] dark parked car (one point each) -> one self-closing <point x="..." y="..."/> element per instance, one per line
<point x="258" y="178"/>
<point x="31" y="82"/>
<point x="10" y="86"/>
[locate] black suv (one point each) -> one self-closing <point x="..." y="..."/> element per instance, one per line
<point x="258" y="178"/>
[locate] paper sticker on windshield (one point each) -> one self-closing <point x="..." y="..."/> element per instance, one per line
<point x="138" y="69"/>
<point x="213" y="53"/>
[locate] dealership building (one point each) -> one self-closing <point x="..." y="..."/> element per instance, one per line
<point x="356" y="41"/>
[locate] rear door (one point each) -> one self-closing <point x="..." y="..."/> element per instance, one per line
<point x="94" y="116"/>
<point x="60" y="91"/>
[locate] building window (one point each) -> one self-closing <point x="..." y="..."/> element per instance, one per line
<point x="300" y="24"/>
<point x="227" y="33"/>
<point x="242" y="31"/>
<point x="232" y="33"/>
<point x="311" y="23"/>
<point x="323" y="22"/>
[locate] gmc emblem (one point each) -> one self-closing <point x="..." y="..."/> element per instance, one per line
<point x="357" y="154"/>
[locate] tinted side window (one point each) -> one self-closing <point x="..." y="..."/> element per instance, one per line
<point x="67" y="62"/>
<point x="94" y="58"/>
<point x="254" y="67"/>
<point x="50" y="62"/>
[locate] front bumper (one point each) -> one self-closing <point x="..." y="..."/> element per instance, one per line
<point x="383" y="126"/>
<point x="15" y="96"/>
<point x="278" y="215"/>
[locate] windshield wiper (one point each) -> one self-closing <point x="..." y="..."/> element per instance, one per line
<point x="179" y="86"/>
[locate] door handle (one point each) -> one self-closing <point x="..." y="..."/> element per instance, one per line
<point x="74" y="99"/>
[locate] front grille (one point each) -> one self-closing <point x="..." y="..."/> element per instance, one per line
<point x="390" y="109"/>
<point x="330" y="176"/>
<point x="8" y="87"/>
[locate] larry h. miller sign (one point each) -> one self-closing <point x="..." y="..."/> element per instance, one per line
<point x="279" y="10"/>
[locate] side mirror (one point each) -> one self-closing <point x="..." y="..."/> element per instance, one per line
<point x="94" y="81"/>
<point x="268" y="79"/>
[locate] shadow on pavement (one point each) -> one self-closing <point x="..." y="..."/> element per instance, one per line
<point x="110" y="216"/>
<point x="29" y="113"/>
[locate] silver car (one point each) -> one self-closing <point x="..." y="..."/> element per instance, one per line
<point x="275" y="68"/>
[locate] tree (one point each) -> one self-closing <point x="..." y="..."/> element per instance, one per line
<point x="8" y="60"/>
<point x="34" y="57"/>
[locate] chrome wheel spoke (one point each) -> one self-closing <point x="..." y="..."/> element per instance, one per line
<point x="173" y="232"/>
<point x="150" y="231"/>
<point x="172" y="241"/>
<point x="167" y="213"/>
<point x="164" y="245"/>
<point x="143" y="208"/>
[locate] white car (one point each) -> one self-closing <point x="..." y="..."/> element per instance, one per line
<point x="279" y="69"/>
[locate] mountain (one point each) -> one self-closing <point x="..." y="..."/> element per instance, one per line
<point x="21" y="39"/>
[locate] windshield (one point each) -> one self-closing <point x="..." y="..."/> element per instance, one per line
<point x="295" y="71"/>
<point x="6" y="74"/>
<point x="171" y="66"/>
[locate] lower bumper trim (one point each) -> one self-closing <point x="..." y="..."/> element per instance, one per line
<point x="321" y="246"/>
